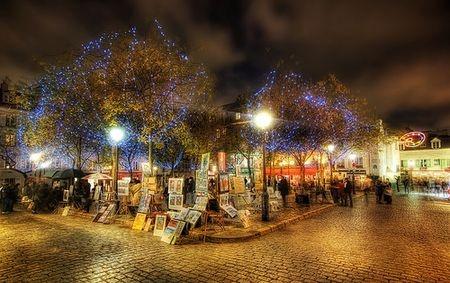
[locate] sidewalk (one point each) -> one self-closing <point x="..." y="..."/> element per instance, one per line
<point x="278" y="221"/>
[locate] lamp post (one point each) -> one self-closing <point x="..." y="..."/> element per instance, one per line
<point x="116" y="135"/>
<point x="330" y="149"/>
<point x="263" y="121"/>
<point x="352" y="157"/>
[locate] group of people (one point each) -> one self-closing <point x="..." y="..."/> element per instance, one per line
<point x="383" y="191"/>
<point x="9" y="194"/>
<point x="341" y="192"/>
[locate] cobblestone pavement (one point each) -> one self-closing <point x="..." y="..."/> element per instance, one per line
<point x="408" y="241"/>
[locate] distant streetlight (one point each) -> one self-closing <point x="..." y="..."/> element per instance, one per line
<point x="264" y="120"/>
<point x="35" y="158"/>
<point x="330" y="149"/>
<point x="116" y="135"/>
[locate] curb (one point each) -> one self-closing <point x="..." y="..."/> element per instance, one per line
<point x="276" y="227"/>
<point x="271" y="228"/>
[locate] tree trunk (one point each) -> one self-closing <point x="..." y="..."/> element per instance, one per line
<point x="78" y="155"/>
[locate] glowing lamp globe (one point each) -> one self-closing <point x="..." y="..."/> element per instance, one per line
<point x="331" y="147"/>
<point x="352" y="157"/>
<point x="116" y="134"/>
<point x="34" y="157"/>
<point x="263" y="120"/>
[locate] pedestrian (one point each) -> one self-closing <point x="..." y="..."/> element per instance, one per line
<point x="190" y="191"/>
<point x="348" y="199"/>
<point x="397" y="183"/>
<point x="341" y="193"/>
<point x="283" y="187"/>
<point x="405" y="185"/>
<point x="6" y="196"/>
<point x="334" y="191"/>
<point x="379" y="188"/>
<point x="388" y="193"/>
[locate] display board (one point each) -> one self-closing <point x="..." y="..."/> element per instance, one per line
<point x="239" y="185"/>
<point x="123" y="188"/>
<point x="160" y="224"/>
<point x="139" y="221"/>
<point x="176" y="186"/>
<point x="176" y="201"/>
<point x="224" y="183"/>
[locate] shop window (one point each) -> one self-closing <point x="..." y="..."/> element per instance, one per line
<point x="10" y="140"/>
<point x="404" y="163"/>
<point x="425" y="163"/>
<point x="437" y="162"/>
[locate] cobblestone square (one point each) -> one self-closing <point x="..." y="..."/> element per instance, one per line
<point x="408" y="241"/>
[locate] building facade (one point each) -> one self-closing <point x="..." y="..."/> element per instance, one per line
<point x="9" y="122"/>
<point x="426" y="154"/>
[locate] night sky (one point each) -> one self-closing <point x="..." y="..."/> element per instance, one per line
<point x="394" y="53"/>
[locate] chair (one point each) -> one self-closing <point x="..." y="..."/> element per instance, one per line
<point x="212" y="218"/>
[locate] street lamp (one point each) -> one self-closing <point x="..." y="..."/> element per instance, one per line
<point x="352" y="157"/>
<point x="330" y="149"/>
<point x="263" y="120"/>
<point x="116" y="135"/>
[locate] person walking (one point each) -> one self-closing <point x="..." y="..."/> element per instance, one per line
<point x="348" y="199"/>
<point x="379" y="188"/>
<point x="388" y="193"/>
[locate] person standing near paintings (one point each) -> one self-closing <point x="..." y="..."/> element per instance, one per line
<point x="283" y="187"/>
<point x="348" y="199"/>
<point x="191" y="191"/>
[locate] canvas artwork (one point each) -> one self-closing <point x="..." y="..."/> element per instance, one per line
<point x="123" y="188"/>
<point x="144" y="203"/>
<point x="224" y="184"/>
<point x="200" y="203"/>
<point x="224" y="199"/>
<point x="139" y="221"/>
<point x="66" y="195"/>
<point x="178" y="231"/>
<point x="66" y="211"/>
<point x="201" y="182"/>
<point x="71" y="190"/>
<point x="243" y="216"/>
<point x="169" y="232"/>
<point x="148" y="224"/>
<point x="160" y="225"/>
<point x="193" y="216"/>
<point x="176" y="186"/>
<point x="230" y="210"/>
<point x="239" y="185"/>
<point x="176" y="201"/>
<point x="204" y="166"/>
<point x="99" y="213"/>
<point x="97" y="193"/>
<point x="106" y="214"/>
<point x="183" y="213"/>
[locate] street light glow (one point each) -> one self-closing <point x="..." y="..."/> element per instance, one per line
<point x="45" y="164"/>
<point x="34" y="157"/>
<point x="263" y="120"/>
<point x="116" y="134"/>
<point x="331" y="147"/>
<point x="352" y="157"/>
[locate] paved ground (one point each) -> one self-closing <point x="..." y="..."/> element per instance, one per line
<point x="408" y="241"/>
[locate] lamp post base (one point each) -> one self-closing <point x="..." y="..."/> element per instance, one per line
<point x="265" y="206"/>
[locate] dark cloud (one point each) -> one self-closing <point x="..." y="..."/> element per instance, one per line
<point x="394" y="53"/>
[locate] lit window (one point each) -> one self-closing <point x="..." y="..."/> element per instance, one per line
<point x="238" y="116"/>
<point x="435" y="143"/>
